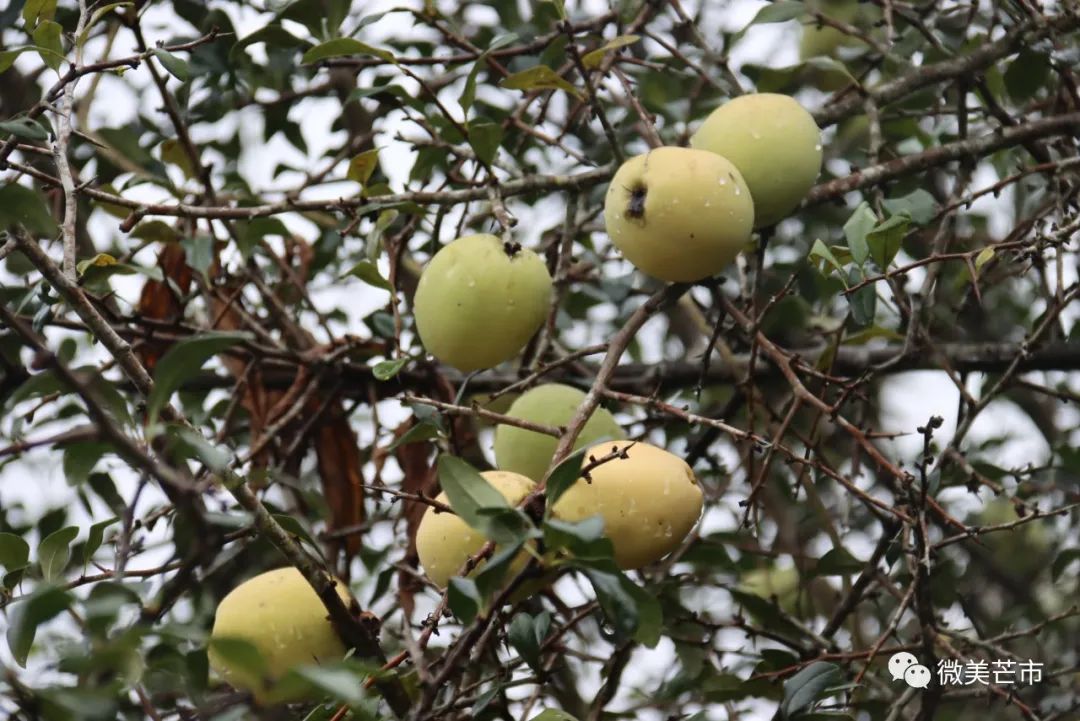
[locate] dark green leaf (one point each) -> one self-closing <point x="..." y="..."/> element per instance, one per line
<point x="861" y="222"/>
<point x="539" y="77"/>
<point x="885" y="239"/>
<point x="7" y="57"/>
<point x="183" y="361"/>
<point x="464" y="599"/>
<point x="863" y="302"/>
<point x="239" y="654"/>
<point x="566" y="534"/>
<point x="837" y="562"/>
<point x="80" y="459"/>
<point x="368" y="272"/>
<point x="776" y="12"/>
<point x="14" y="552"/>
<point x="54" y="552"/>
<point x="807" y="686"/>
<point x="20" y="205"/>
<point x="342" y="47"/>
<point x="177" y="67"/>
<point x="468" y="95"/>
<point x="342" y="684"/>
<point x="417" y="434"/>
<point x="485" y="137"/>
<point x="919" y="205"/>
<point x="1062" y="562"/>
<point x="34" y="11"/>
<point x="553" y="715"/>
<point x="490" y="576"/>
<point x="564" y="476"/>
<point x="385" y="370"/>
<point x="1025" y="76"/>
<point x="25" y="128"/>
<point x="468" y="492"/>
<point x="47" y="37"/>
<point x="44" y="603"/>
<point x="618" y="604"/>
<point x="95" y="538"/>
<point x="200" y="253"/>
<point x="593" y="59"/>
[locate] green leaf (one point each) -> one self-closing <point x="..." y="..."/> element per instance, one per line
<point x="172" y="151"/>
<point x="776" y="12"/>
<point x="573" y="535"/>
<point x="527" y="633"/>
<point x="1062" y="561"/>
<point x="617" y="602"/>
<point x="861" y="222"/>
<point x="293" y="526"/>
<point x="34" y="11"/>
<point x="464" y="599"/>
<point x="199" y="252"/>
<point x="80" y="459"/>
<point x="985" y="256"/>
<point x="919" y="205"/>
<point x="368" y="272"/>
<point x="7" y="57"/>
<point x="650" y="616"/>
<point x="343" y="47"/>
<point x="885" y="239"/>
<point x="54" y="552"/>
<point x="183" y="361"/>
<point x="492" y="573"/>
<point x="20" y="205"/>
<point x="14" y="552"/>
<point x="540" y="77"/>
<point x="595" y="58"/>
<point x="96" y="17"/>
<point x="837" y="562"/>
<point x="564" y="476"/>
<point x="48" y="38"/>
<point x="363" y="166"/>
<point x="341" y="683"/>
<point x="468" y="492"/>
<point x="1027" y="74"/>
<point x="95" y="539"/>
<point x="25" y="128"/>
<point x="189" y="443"/>
<point x="485" y="137"/>
<point x="807" y="686"/>
<point x="863" y="302"/>
<point x="44" y="604"/>
<point x="822" y="251"/>
<point x="468" y="95"/>
<point x="239" y="654"/>
<point x="553" y="715"/>
<point x="417" y="434"/>
<point x="387" y="369"/>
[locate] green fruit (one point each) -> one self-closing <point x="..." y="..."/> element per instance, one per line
<point x="478" y="303"/>
<point x="824" y="40"/>
<point x="528" y="452"/>
<point x="779" y="583"/>
<point x="679" y="214"/>
<point x="279" y="613"/>
<point x="444" y="542"/>
<point x="774" y="143"/>
<point x="649" y="501"/>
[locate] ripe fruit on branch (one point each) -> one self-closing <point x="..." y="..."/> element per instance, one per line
<point x="279" y="613"/>
<point x="774" y="143"/>
<point x="552" y="404"/>
<point x="479" y="301"/>
<point x="649" y="500"/>
<point x="679" y="214"/>
<point x="444" y="542"/>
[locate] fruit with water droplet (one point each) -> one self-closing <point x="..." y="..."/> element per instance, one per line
<point x="279" y="613"/>
<point x="648" y="500"/>
<point x="775" y="144"/>
<point x="552" y="404"/>
<point x="479" y="301"/>
<point x="444" y="542"/>
<point x="679" y="214"/>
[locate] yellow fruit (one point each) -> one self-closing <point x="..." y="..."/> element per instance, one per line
<point x="649" y="501"/>
<point x="280" y="614"/>
<point x="774" y="143"/>
<point x="679" y="214"/>
<point x="477" y="303"/>
<point x="528" y="452"/>
<point x="444" y="542"/>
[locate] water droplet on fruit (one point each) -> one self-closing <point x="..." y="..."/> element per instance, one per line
<point x="817" y="147"/>
<point x="723" y="182"/>
<point x="472" y="283"/>
<point x="755" y="135"/>
<point x="738" y="191"/>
